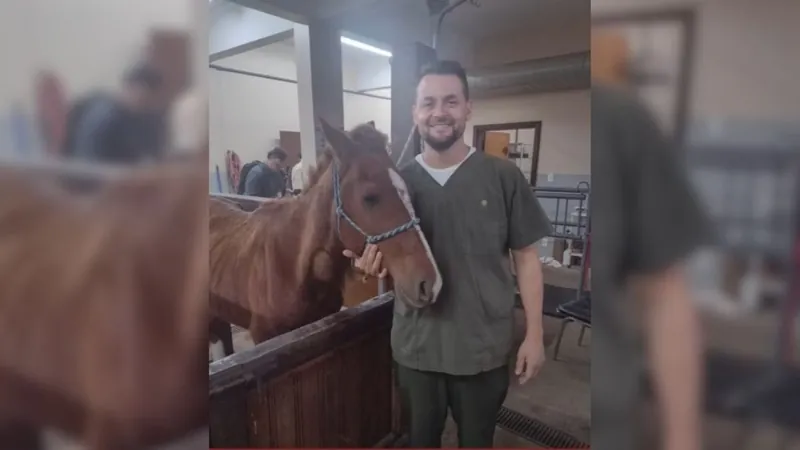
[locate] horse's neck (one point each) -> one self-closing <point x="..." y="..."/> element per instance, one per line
<point x="320" y="212"/>
<point x="323" y="230"/>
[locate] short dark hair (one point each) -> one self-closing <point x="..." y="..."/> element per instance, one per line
<point x="278" y="153"/>
<point x="446" y="67"/>
<point x="144" y="75"/>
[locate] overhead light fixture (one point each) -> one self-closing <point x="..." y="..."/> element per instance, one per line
<point x="365" y="47"/>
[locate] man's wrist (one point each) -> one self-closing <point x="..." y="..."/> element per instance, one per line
<point x="533" y="330"/>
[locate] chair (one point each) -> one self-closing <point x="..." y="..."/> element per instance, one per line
<point x="579" y="311"/>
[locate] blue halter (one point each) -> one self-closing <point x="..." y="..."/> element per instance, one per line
<point x="340" y="214"/>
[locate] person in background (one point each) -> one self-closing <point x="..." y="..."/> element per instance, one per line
<point x="299" y="178"/>
<point x="188" y="121"/>
<point x="125" y="127"/>
<point x="474" y="210"/>
<point x="266" y="179"/>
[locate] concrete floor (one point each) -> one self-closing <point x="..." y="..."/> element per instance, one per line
<point x="750" y="337"/>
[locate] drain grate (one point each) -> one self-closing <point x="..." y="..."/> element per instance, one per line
<point x="537" y="432"/>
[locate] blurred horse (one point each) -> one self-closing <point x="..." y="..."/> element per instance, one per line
<point x="103" y="307"/>
<point x="281" y="266"/>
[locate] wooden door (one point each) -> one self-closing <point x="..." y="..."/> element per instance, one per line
<point x="290" y="143"/>
<point x="610" y="57"/>
<point x="169" y="51"/>
<point x="496" y="143"/>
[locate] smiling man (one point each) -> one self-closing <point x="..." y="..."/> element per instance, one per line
<point x="474" y="210"/>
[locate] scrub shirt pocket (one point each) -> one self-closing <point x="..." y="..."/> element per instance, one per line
<point x="483" y="227"/>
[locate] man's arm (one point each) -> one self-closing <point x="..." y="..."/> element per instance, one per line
<point x="531" y="288"/>
<point x="527" y="224"/>
<point x="675" y="356"/>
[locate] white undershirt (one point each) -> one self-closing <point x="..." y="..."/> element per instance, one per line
<point x="442" y="175"/>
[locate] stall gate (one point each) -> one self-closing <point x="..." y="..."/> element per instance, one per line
<point x="327" y="384"/>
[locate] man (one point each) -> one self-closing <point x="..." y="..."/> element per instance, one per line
<point x="188" y="122"/>
<point x="299" y="178"/>
<point x="473" y="208"/>
<point x="646" y="223"/>
<point x="266" y="179"/>
<point x="126" y="127"/>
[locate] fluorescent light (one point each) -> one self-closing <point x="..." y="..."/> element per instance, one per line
<point x="366" y="47"/>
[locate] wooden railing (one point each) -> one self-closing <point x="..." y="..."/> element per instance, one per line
<point x="327" y="384"/>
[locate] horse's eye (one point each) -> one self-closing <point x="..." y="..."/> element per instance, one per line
<point x="371" y="200"/>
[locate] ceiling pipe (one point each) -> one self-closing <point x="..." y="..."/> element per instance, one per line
<point x="557" y="73"/>
<point x="442" y="15"/>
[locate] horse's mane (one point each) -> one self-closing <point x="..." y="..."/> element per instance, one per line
<point x="365" y="134"/>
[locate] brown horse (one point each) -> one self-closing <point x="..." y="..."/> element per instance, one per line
<point x="281" y="266"/>
<point x="103" y="307"/>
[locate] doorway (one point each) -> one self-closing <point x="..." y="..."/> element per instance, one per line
<point x="516" y="141"/>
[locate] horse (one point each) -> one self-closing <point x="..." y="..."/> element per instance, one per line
<point x="282" y="266"/>
<point x="103" y="307"/>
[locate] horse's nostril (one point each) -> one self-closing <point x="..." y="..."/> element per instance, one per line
<point x="424" y="292"/>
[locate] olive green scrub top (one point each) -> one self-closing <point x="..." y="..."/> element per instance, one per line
<point x="484" y="209"/>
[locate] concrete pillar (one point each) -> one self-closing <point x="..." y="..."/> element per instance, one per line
<point x="407" y="60"/>
<point x="318" y="53"/>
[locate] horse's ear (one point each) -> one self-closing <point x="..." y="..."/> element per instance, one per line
<point x="343" y="147"/>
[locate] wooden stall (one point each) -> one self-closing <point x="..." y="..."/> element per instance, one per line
<point x="327" y="384"/>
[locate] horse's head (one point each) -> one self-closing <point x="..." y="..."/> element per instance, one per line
<point x="373" y="206"/>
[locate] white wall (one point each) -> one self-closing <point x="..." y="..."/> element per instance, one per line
<point x="745" y="62"/>
<point x="565" y="146"/>
<point x="89" y="43"/>
<point x="248" y="113"/>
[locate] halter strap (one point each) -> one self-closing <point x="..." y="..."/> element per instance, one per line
<point x="340" y="214"/>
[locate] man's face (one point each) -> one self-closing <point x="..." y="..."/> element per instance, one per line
<point x="441" y="111"/>
<point x="141" y="98"/>
<point x="275" y="163"/>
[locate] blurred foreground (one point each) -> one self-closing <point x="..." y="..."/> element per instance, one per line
<point x="720" y="78"/>
<point x="102" y="225"/>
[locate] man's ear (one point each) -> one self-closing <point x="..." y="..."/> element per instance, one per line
<point x="343" y="147"/>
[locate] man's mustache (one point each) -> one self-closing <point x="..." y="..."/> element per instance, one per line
<point x="449" y="122"/>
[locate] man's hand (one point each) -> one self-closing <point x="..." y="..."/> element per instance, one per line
<point x="530" y="358"/>
<point x="369" y="262"/>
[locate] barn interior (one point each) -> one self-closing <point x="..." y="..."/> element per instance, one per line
<point x="276" y="65"/>
<point x="684" y="66"/>
<point x="735" y="127"/>
<point x="716" y="71"/>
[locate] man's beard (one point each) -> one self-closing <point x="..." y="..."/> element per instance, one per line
<point x="444" y="144"/>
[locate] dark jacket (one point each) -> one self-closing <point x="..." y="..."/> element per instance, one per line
<point x="100" y="129"/>
<point x="261" y="181"/>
